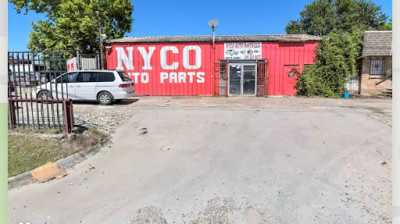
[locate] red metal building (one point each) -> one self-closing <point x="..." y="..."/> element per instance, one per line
<point x="194" y="65"/>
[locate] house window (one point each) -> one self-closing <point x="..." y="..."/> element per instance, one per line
<point x="378" y="66"/>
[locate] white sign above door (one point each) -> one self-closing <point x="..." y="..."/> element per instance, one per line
<point x="242" y="50"/>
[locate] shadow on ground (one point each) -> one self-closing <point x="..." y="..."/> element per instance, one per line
<point x="118" y="102"/>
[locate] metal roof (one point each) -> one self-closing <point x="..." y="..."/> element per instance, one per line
<point x="377" y="43"/>
<point x="219" y="38"/>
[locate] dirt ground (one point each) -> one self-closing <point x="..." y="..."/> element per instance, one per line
<point x="225" y="160"/>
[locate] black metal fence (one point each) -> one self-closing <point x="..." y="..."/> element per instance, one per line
<point x="38" y="94"/>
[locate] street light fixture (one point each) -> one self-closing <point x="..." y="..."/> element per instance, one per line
<point x="212" y="24"/>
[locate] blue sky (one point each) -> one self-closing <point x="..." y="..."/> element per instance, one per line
<point x="185" y="17"/>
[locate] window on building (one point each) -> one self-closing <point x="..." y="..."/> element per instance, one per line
<point x="378" y="66"/>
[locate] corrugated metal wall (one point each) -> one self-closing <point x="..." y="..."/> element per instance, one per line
<point x="155" y="80"/>
<point x="281" y="57"/>
<point x="89" y="63"/>
<point x="85" y="64"/>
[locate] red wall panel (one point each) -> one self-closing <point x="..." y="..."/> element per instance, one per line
<point x="182" y="74"/>
<point x="282" y="56"/>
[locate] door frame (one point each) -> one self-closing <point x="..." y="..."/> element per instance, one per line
<point x="241" y="78"/>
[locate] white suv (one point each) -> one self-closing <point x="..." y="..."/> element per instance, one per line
<point x="104" y="86"/>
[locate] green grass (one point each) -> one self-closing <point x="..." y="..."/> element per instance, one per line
<point x="27" y="151"/>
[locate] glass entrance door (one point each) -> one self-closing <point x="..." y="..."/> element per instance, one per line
<point x="249" y="80"/>
<point x="235" y="79"/>
<point x="242" y="79"/>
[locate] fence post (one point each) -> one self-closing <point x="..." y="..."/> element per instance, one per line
<point x="72" y="120"/>
<point x="68" y="116"/>
<point x="11" y="112"/>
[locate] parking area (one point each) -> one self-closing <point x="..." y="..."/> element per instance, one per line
<point x="224" y="160"/>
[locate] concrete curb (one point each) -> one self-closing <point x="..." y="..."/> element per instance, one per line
<point x="20" y="180"/>
<point x="64" y="163"/>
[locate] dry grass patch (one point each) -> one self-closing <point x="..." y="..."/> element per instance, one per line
<point x="29" y="149"/>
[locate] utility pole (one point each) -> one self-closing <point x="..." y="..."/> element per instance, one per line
<point x="396" y="116"/>
<point x="212" y="24"/>
<point x="100" y="42"/>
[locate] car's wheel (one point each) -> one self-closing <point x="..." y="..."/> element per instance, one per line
<point x="105" y="98"/>
<point x="44" y="94"/>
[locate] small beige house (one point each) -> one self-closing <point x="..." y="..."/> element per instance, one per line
<point x="376" y="63"/>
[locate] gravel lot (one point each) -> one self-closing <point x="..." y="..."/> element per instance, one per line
<point x="108" y="118"/>
<point x="105" y="118"/>
<point x="225" y="160"/>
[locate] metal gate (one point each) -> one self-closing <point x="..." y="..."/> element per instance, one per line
<point x="221" y="69"/>
<point x="262" y="78"/>
<point x="37" y="94"/>
<point x="353" y="84"/>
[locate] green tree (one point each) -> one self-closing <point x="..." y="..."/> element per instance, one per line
<point x="73" y="24"/>
<point x="318" y="18"/>
<point x="340" y="23"/>
<point x="388" y="26"/>
<point x="323" y="16"/>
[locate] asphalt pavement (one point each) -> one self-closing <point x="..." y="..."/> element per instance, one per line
<point x="225" y="164"/>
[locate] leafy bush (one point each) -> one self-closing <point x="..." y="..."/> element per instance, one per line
<point x="335" y="63"/>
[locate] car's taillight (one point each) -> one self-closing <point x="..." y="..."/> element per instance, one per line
<point x="124" y="85"/>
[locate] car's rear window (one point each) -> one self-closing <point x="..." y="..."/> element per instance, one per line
<point x="125" y="77"/>
<point x="105" y="77"/>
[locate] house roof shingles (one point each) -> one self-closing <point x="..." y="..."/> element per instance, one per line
<point x="377" y="43"/>
<point x="220" y="38"/>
